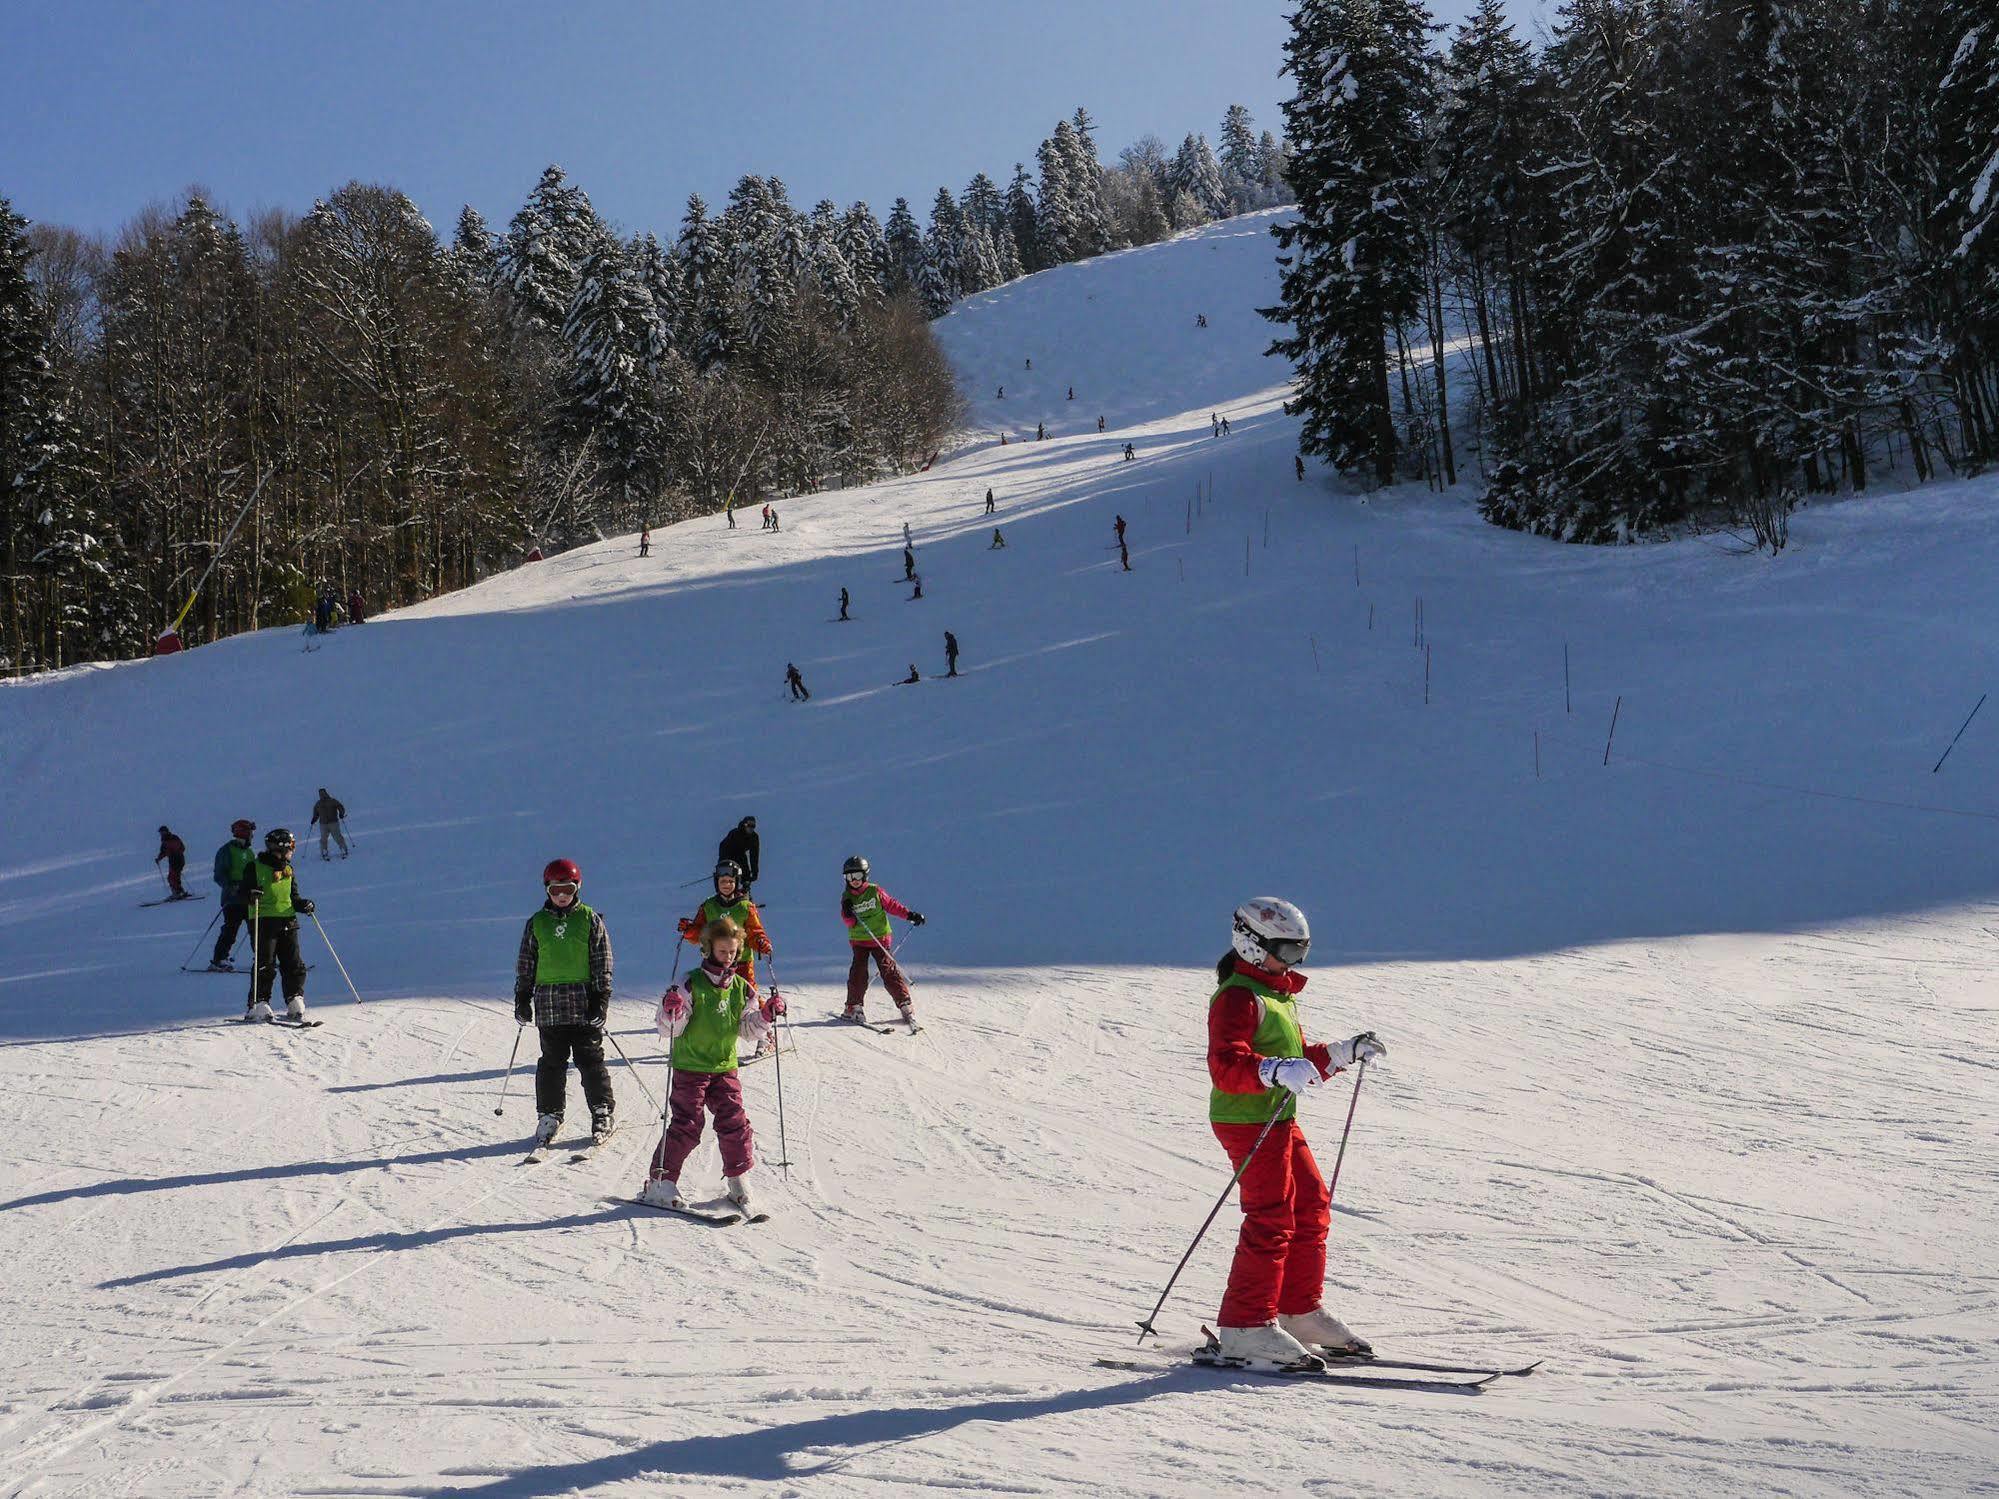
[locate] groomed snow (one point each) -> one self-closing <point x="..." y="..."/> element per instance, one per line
<point x="1692" y="1083"/>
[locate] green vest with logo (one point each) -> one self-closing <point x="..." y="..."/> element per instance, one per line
<point x="870" y="920"/>
<point x="274" y="892"/>
<point x="562" y="945"/>
<point x="714" y="1012"/>
<point x="737" y="910"/>
<point x="1277" y="1035"/>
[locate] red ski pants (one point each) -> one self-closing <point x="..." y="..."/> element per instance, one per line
<point x="891" y="972"/>
<point x="1280" y="1260"/>
<point x="722" y="1094"/>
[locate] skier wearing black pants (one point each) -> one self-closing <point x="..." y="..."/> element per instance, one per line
<point x="562" y="983"/>
<point x="232" y="862"/>
<point x="270" y="889"/>
<point x="742" y="847"/>
<point x="951" y="653"/>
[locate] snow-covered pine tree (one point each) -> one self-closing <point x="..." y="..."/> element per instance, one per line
<point x="1241" y="161"/>
<point x="1966" y="113"/>
<point x="615" y="346"/>
<point x="978" y="264"/>
<point x="659" y="272"/>
<point x="1353" y="275"/>
<point x="983" y="204"/>
<point x="865" y="250"/>
<point x="1196" y="173"/>
<point x="475" y="254"/>
<point x="1274" y="161"/>
<point x="708" y="319"/>
<point x="546" y="242"/>
<point x="1083" y="178"/>
<point x="943" y="246"/>
<point x="904" y="243"/>
<point x="1023" y="220"/>
<point x="1056" y="232"/>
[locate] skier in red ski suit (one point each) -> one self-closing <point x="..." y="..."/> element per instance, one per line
<point x="1259" y="1061"/>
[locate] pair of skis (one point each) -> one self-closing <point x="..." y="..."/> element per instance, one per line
<point x="167" y="900"/>
<point x="1471" y="1379"/>
<point x="578" y="1154"/>
<point x="915" y="1026"/>
<point x="728" y="1219"/>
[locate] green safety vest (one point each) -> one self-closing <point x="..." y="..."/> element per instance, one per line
<point x="870" y="920"/>
<point x="562" y="945"/>
<point x="274" y="892"/>
<point x="1278" y="1035"/>
<point x="713" y="1014"/>
<point x="236" y="857"/>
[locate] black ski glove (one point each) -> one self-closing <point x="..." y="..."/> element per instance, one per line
<point x="916" y="918"/>
<point x="599" y="1013"/>
<point x="524" y="1011"/>
<point x="303" y="907"/>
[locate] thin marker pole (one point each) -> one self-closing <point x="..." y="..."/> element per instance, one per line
<point x="1957" y="736"/>
<point x="1618" y="708"/>
<point x="1567" y="706"/>
<point x="1315" y="655"/>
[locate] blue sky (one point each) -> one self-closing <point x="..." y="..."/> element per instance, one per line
<point x="121" y="104"/>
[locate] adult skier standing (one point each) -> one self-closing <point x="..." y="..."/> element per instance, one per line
<point x="951" y="653"/>
<point x="741" y="846"/>
<point x="232" y="862"/>
<point x="562" y="984"/>
<point x="327" y="815"/>
<point x="865" y="909"/>
<point x="843" y="604"/>
<point x="989" y="502"/>
<point x="1272" y="1317"/>
<point x="795" y="683"/>
<point x="269" y="888"/>
<point x="702" y="1026"/>
<point x="175" y="853"/>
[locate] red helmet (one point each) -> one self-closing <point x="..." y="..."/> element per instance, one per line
<point x="242" y="827"/>
<point x="561" y="872"/>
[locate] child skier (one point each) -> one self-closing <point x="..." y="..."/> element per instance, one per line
<point x="562" y="983"/>
<point x="865" y="908"/>
<point x="733" y="901"/>
<point x="175" y="853"/>
<point x="702" y="1025"/>
<point x="1259" y="1061"/>
<point x="269" y="888"/>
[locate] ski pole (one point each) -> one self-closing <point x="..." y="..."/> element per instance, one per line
<point x="336" y="959"/>
<point x="521" y="1031"/>
<point x="777" y="1043"/>
<point x="1145" y="1329"/>
<point x="608" y="1036"/>
<point x="256" y="955"/>
<point x="1359" y="1077"/>
<point x="202" y="938"/>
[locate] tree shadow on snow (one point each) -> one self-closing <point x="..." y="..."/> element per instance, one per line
<point x="772" y="1453"/>
<point x="127" y="1185"/>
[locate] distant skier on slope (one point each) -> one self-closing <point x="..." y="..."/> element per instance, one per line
<point x="843" y="604"/>
<point x="1298" y="464"/>
<point x="269" y="888"/>
<point x="702" y="1026"/>
<point x="999" y="541"/>
<point x="951" y="653"/>
<point x="742" y="847"/>
<point x="562" y="986"/>
<point x="912" y="679"/>
<point x="645" y="542"/>
<point x="175" y="853"/>
<point x="908" y="564"/>
<point x="357" y="607"/>
<point x="795" y="684"/>
<point x="865" y="909"/>
<point x="232" y="862"/>
<point x="1258" y="1062"/>
<point x="989" y="502"/>
<point x="327" y="815"/>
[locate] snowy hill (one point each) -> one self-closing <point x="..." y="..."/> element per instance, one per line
<point x="1692" y="1085"/>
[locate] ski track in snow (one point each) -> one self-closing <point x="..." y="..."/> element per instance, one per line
<point x="1692" y="1083"/>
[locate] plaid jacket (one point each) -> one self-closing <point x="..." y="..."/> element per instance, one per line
<point x="565" y="1004"/>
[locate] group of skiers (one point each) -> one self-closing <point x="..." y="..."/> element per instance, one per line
<point x="563" y="985"/>
<point x="326" y="609"/>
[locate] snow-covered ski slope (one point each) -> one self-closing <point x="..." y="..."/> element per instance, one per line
<point x="1692" y="1075"/>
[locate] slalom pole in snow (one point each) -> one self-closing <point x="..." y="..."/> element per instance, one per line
<point x="202" y="938"/>
<point x="1145" y="1328"/>
<point x="512" y="1056"/>
<point x="336" y="958"/>
<point x="628" y="1067"/>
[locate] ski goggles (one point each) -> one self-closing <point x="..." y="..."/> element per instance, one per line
<point x="564" y="887"/>
<point x="1287" y="950"/>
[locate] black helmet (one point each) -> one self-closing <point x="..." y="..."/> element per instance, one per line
<point x="165" y="829"/>
<point x="280" y="838"/>
<point x="731" y="869"/>
<point x="856" y="865"/>
<point x="749" y="823"/>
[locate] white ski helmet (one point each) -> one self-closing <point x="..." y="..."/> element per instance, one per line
<point x="1267" y="927"/>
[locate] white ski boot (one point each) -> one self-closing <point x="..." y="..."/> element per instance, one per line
<point x="261" y="1010"/>
<point x="662" y="1193"/>
<point x="545" y="1128"/>
<point x="1268" y="1348"/>
<point x="739" y="1193"/>
<point x="295" y="1007"/>
<point x="1321" y="1332"/>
